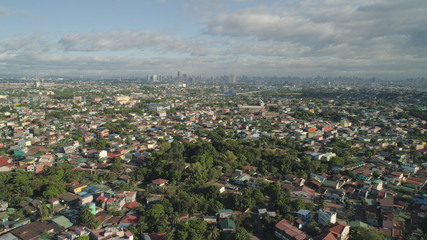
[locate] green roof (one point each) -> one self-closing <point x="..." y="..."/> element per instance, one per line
<point x="329" y="183"/>
<point x="101" y="187"/>
<point x="377" y="181"/>
<point x="119" y="182"/>
<point x="4" y="215"/>
<point x="355" y="224"/>
<point x="410" y="185"/>
<point x="62" y="221"/>
<point x="227" y="223"/>
<point x="371" y="202"/>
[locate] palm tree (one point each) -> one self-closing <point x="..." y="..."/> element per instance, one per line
<point x="214" y="233"/>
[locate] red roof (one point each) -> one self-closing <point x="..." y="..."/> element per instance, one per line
<point x="3" y="161"/>
<point x="132" y="205"/>
<point x="327" y="128"/>
<point x="128" y="234"/>
<point x="304" y="189"/>
<point x="159" y="181"/>
<point x="386" y="202"/>
<point x="130" y="193"/>
<point x="326" y="236"/>
<point x="414" y="179"/>
<point x="312" y="130"/>
<point x="102" y="198"/>
<point x="413" y="182"/>
<point x="337" y="228"/>
<point x="132" y="219"/>
<point x="289" y="229"/>
<point x="250" y="168"/>
<point x="157" y="236"/>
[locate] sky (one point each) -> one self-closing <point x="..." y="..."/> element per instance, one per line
<point x="386" y="39"/>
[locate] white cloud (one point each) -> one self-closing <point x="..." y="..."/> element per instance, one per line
<point x="382" y="38"/>
<point x="4" y="11"/>
<point x="326" y="26"/>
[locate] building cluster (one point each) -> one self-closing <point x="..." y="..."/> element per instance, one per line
<point x="384" y="182"/>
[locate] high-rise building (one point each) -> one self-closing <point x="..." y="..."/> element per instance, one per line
<point x="153" y="78"/>
<point x="232" y="79"/>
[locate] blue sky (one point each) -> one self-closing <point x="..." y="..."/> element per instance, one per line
<point x="367" y="38"/>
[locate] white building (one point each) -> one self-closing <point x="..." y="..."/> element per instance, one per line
<point x="325" y="218"/>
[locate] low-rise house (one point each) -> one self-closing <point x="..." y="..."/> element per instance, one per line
<point x="386" y="203"/>
<point x="420" y="182"/>
<point x="77" y="187"/>
<point x="115" y="203"/>
<point x="225" y="213"/>
<point x="128" y="221"/>
<point x="371" y="217"/>
<point x="111" y="233"/>
<point x="412" y="168"/>
<point x="303" y="192"/>
<point x="3" y="205"/>
<point x="337" y="196"/>
<point x="227" y="225"/>
<point x="262" y="212"/>
<point x="69" y="199"/>
<point x="35" y="229"/>
<point x="61" y="221"/>
<point x="130" y="196"/>
<point x="324" y="217"/>
<point x="340" y="231"/>
<point x="85" y="199"/>
<point x="154" y="198"/>
<point x="303" y="218"/>
<point x="421" y="199"/>
<point x="329" y="184"/>
<point x="160" y="182"/>
<point x="242" y="180"/>
<point x="286" y="231"/>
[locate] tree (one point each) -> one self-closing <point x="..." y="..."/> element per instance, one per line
<point x="350" y="211"/>
<point x="116" y="166"/>
<point x="52" y="191"/>
<point x="361" y="233"/>
<point x="298" y="204"/>
<point x="83" y="238"/>
<point x="337" y="161"/>
<point x="156" y="218"/>
<point x="213" y="233"/>
<point x="242" y="234"/>
<point x="44" y="212"/>
<point x="321" y="203"/>
<point x="85" y="216"/>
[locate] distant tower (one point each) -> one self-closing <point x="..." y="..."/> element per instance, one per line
<point x="152" y="78"/>
<point x="179" y="76"/>
<point x="232" y="79"/>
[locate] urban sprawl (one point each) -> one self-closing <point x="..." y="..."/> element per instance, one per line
<point x="221" y="158"/>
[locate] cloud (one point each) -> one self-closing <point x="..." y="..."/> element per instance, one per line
<point x="382" y="38"/>
<point x="123" y="40"/>
<point x="325" y="27"/>
<point x="4" y="11"/>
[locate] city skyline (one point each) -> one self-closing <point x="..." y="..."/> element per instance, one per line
<point x="384" y="39"/>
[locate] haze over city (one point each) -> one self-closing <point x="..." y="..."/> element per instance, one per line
<point x="375" y="38"/>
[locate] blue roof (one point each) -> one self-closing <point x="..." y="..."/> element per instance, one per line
<point x="82" y="193"/>
<point x="91" y="189"/>
<point x="304" y="212"/>
<point x="87" y="195"/>
<point x="225" y="211"/>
